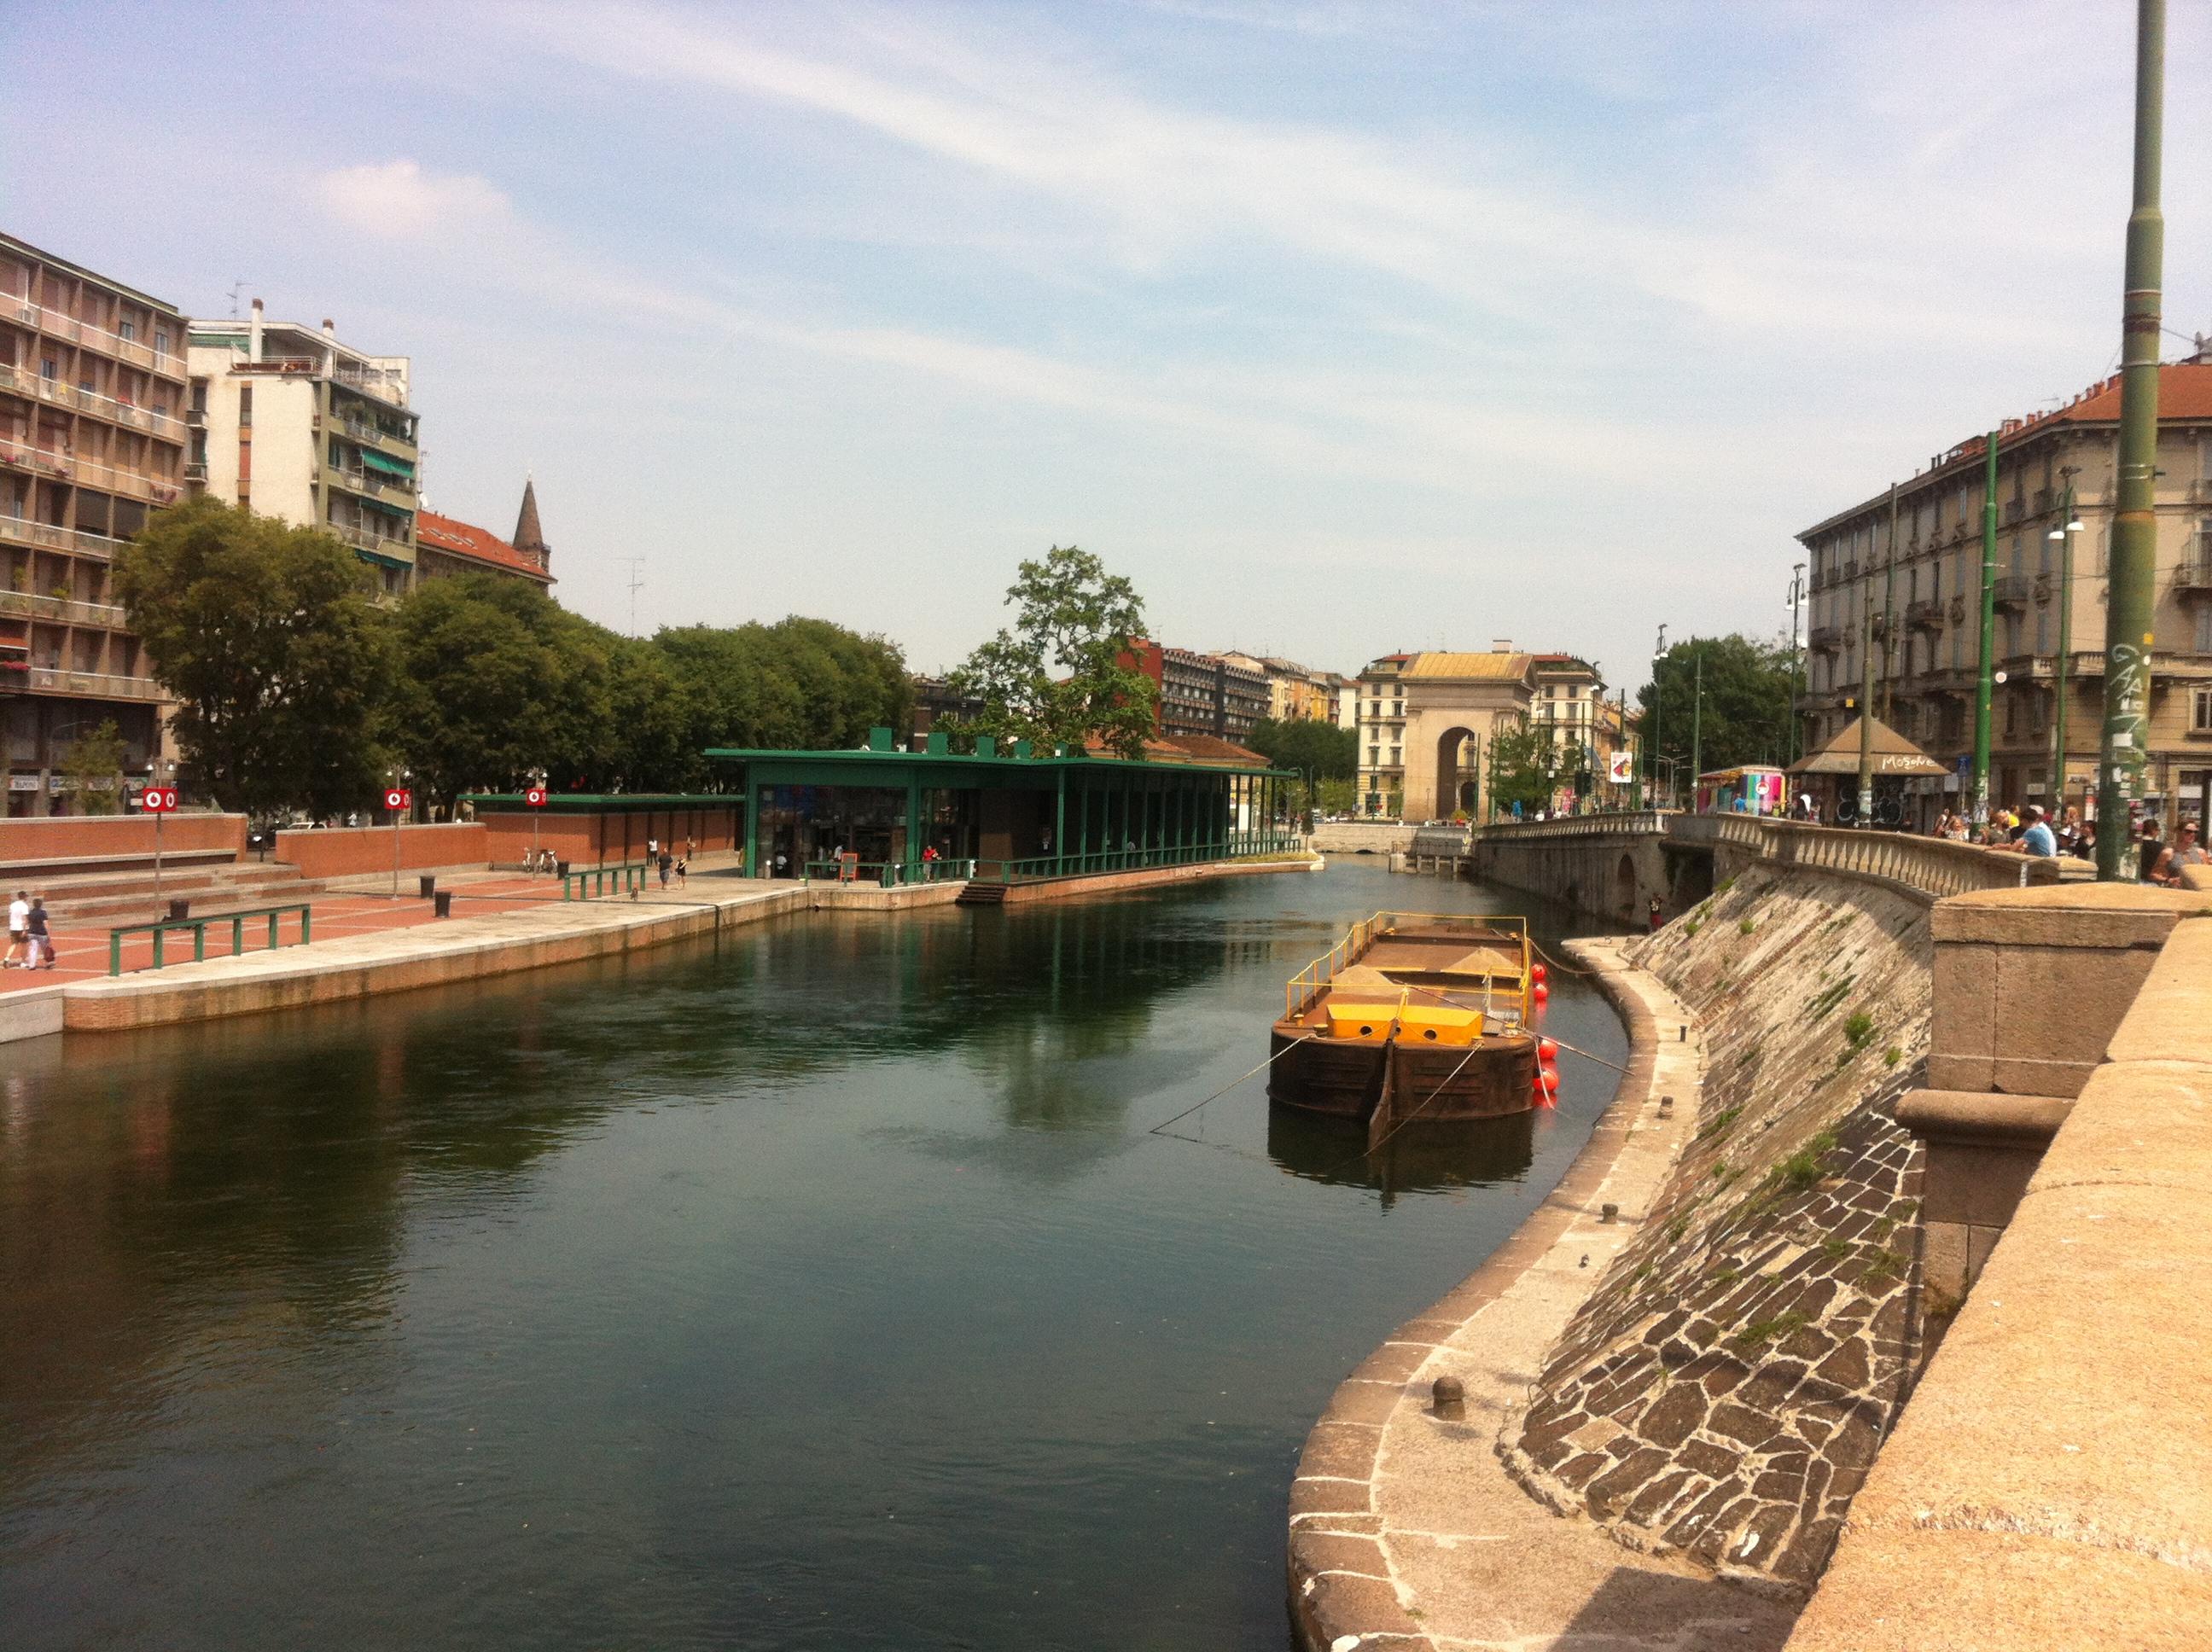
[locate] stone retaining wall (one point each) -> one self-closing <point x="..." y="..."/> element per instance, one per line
<point x="1723" y="1394"/>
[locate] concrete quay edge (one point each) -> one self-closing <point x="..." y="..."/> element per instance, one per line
<point x="354" y="967"/>
<point x="1406" y="1531"/>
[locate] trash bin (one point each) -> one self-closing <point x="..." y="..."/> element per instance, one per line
<point x="561" y="868"/>
<point x="429" y="886"/>
<point x="180" y="909"/>
<point x="444" y="898"/>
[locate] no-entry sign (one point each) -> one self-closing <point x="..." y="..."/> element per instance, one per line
<point x="398" y="798"/>
<point x="535" y="797"/>
<point x="158" y="799"/>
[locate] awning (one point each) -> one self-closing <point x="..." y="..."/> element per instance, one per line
<point x="390" y="466"/>
<point x="380" y="560"/>
<point x="1890" y="751"/>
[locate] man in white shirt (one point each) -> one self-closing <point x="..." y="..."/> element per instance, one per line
<point x="19" y="930"/>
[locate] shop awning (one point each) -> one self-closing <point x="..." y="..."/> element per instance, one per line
<point x="385" y="463"/>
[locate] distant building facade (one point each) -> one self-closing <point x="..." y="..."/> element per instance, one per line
<point x="300" y="427"/>
<point x="1427" y="722"/>
<point x="445" y="545"/>
<point x="1921" y="597"/>
<point x="93" y="411"/>
<point x="1201" y="694"/>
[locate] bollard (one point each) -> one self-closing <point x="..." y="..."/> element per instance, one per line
<point x="444" y="899"/>
<point x="1608" y="1212"/>
<point x="429" y="886"/>
<point x="1666" y="1106"/>
<point x="1684" y="1038"/>
<point x="1447" y="1396"/>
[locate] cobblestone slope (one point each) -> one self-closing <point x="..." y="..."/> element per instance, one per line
<point x="1724" y="1392"/>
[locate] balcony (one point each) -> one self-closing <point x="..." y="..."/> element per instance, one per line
<point x="22" y="530"/>
<point x="99" y="685"/>
<point x="68" y="328"/>
<point x="373" y="486"/>
<point x="2194" y="577"/>
<point x="2010" y="592"/>
<point x="66" y="610"/>
<point x="1824" y="639"/>
<point x="375" y="545"/>
<point x="1923" y="615"/>
<point x="366" y="430"/>
<point x="378" y="382"/>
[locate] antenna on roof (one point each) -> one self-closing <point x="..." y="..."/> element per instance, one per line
<point x="636" y="585"/>
<point x="236" y="287"/>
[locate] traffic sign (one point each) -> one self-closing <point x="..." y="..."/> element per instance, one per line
<point x="158" y="799"/>
<point x="535" y="797"/>
<point x="398" y="798"/>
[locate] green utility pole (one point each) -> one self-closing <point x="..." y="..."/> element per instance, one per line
<point x="1978" y="810"/>
<point x="1865" y="816"/>
<point x="1697" y="727"/>
<point x="2064" y="532"/>
<point x="1658" y="687"/>
<point x="2121" y="752"/>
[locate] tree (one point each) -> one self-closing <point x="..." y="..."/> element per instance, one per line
<point x="278" y="658"/>
<point x="1321" y="750"/>
<point x="1055" y="675"/>
<point x="799" y="683"/>
<point x="1746" y="716"/>
<point x="1526" y="766"/>
<point x="94" y="766"/>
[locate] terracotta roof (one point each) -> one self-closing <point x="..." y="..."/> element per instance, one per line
<point x="476" y="544"/>
<point x="1484" y="667"/>
<point x="1210" y="749"/>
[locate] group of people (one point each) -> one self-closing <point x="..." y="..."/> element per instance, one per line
<point x="29" y="945"/>
<point x="663" y="859"/>
<point x="2028" y="830"/>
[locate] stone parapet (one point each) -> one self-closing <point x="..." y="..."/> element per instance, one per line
<point x="2050" y="1484"/>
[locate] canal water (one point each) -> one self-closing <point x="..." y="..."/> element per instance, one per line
<point x="818" y="1287"/>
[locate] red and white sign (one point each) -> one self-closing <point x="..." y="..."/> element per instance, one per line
<point x="535" y="797"/>
<point x="1621" y="767"/>
<point x="158" y="799"/>
<point x="398" y="798"/>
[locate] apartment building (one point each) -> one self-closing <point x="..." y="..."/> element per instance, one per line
<point x="92" y="440"/>
<point x="302" y="427"/>
<point x="1202" y="694"/>
<point x="1918" y="591"/>
<point x="1425" y="725"/>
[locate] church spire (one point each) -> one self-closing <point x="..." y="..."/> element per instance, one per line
<point x="529" y="537"/>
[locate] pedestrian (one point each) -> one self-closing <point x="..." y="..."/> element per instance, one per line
<point x="651" y="850"/>
<point x="2187" y="851"/>
<point x="691" y="849"/>
<point x="683" y="870"/>
<point x="2035" y="837"/>
<point x="1657" y="916"/>
<point x="19" y="932"/>
<point x="2148" y="849"/>
<point x="665" y="862"/>
<point x="41" y="944"/>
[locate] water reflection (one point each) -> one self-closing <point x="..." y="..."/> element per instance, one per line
<point x="1421" y="1156"/>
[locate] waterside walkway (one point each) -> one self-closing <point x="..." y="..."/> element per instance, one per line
<point x="1406" y="1531"/>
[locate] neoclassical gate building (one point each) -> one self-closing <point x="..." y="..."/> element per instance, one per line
<point x="1426" y="724"/>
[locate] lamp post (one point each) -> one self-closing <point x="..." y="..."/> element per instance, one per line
<point x="1697" y="724"/>
<point x="2130" y="605"/>
<point x="157" y="770"/>
<point x="397" y="777"/>
<point x="1658" y="659"/>
<point x="2065" y="534"/>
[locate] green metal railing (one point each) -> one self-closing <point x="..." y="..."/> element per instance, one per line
<point x="198" y="928"/>
<point x="588" y="883"/>
<point x="1237" y="846"/>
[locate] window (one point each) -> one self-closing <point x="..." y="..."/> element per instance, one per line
<point x="244" y="406"/>
<point x="2204" y="630"/>
<point x="2043" y="630"/>
<point x="49" y="369"/>
<point x="160" y="341"/>
<point x="2201" y="722"/>
<point x="127" y="330"/>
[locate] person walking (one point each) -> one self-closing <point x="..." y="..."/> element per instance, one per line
<point x="665" y="862"/>
<point x="41" y="943"/>
<point x="1658" y="917"/>
<point x="19" y="933"/>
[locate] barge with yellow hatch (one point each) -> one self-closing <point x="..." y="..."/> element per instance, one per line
<point x="1414" y="1015"/>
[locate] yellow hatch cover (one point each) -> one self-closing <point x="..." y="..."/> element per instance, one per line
<point x="1419" y="1023"/>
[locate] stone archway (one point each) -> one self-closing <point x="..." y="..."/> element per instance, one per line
<point x="1454" y="793"/>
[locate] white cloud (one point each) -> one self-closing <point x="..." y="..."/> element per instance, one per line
<point x="397" y="198"/>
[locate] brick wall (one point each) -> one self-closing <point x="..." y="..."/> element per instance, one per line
<point x="346" y="852"/>
<point x="611" y="838"/>
<point x="82" y="836"/>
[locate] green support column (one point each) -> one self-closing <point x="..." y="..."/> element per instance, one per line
<point x="1060" y="824"/>
<point x="913" y="854"/>
<point x="752" y="830"/>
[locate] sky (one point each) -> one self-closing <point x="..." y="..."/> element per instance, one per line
<point x="1340" y="329"/>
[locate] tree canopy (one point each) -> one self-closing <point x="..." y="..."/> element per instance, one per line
<point x="1321" y="750"/>
<point x="268" y="636"/>
<point x="295" y="689"/>
<point x="1746" y="715"/>
<point x="1055" y="675"/>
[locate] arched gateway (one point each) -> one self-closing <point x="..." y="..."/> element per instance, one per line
<point x="1454" y="791"/>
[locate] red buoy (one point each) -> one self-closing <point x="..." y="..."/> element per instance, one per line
<point x="1537" y="972"/>
<point x="1548" y="1051"/>
<point x="1546" y="1087"/>
<point x="1540" y="993"/>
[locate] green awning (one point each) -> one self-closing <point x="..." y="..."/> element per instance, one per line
<point x="390" y="466"/>
<point x="381" y="561"/>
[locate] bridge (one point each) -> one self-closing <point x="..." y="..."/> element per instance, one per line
<point x="1615" y="865"/>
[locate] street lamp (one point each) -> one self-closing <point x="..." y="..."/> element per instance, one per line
<point x="1658" y="659"/>
<point x="2064" y="535"/>
<point x="158" y="769"/>
<point x="1796" y="605"/>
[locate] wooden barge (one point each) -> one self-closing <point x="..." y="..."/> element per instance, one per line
<point x="1421" y="1015"/>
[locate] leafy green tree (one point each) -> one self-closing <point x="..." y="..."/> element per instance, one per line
<point x="269" y="639"/>
<point x="93" y="767"/>
<point x="1321" y="750"/>
<point x="1055" y="677"/>
<point x="800" y="684"/>
<point x="1746" y="716"/>
<point x="1527" y="765"/>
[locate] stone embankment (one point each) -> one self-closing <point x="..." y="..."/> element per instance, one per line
<point x="1724" y="1393"/>
<point x="1667" y="1415"/>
